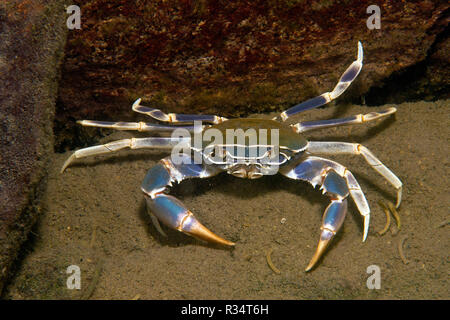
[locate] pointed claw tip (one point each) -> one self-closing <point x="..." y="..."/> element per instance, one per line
<point x="360" y="51"/>
<point x="325" y="238"/>
<point x="390" y="111"/>
<point x="364" y="238"/>
<point x="193" y="227"/>
<point x="309" y="267"/>
<point x="223" y="242"/>
<point x="63" y="168"/>
<point x="366" y="228"/>
<point x="137" y="103"/>
<point x="399" y="198"/>
<point x="67" y="163"/>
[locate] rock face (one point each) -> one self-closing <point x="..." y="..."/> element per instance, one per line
<point x="32" y="37"/>
<point x="238" y="57"/>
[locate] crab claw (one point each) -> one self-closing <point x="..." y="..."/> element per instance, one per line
<point x="193" y="227"/>
<point x="325" y="238"/>
<point x="171" y="212"/>
<point x="168" y="209"/>
<point x="332" y="221"/>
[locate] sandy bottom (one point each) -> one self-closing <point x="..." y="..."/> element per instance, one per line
<point x="94" y="216"/>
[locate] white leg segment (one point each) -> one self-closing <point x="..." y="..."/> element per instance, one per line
<point x="344" y="82"/>
<point x="349" y="75"/>
<point x="136" y="126"/>
<point x="174" y="117"/>
<point x="133" y="143"/>
<point x="356" y="119"/>
<point x="358" y="149"/>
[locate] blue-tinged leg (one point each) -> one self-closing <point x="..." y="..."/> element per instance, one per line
<point x="331" y="178"/>
<point x="331" y="223"/>
<point x="133" y="143"/>
<point x="344" y="82"/>
<point x="356" y="119"/>
<point x="136" y="126"/>
<point x="168" y="209"/>
<point x="173" y="117"/>
<point x="332" y="147"/>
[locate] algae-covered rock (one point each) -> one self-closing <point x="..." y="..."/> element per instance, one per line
<point x="32" y="37"/>
<point x="236" y="57"/>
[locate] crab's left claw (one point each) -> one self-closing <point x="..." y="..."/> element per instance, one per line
<point x="332" y="221"/>
<point x="338" y="183"/>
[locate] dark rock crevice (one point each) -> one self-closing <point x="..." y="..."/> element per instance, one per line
<point x="426" y="80"/>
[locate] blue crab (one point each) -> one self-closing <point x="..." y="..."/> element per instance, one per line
<point x="292" y="155"/>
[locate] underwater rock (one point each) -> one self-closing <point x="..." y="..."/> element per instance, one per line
<point x="236" y="57"/>
<point x="32" y="37"/>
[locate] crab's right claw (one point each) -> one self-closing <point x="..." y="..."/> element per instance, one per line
<point x="172" y="213"/>
<point x="168" y="209"/>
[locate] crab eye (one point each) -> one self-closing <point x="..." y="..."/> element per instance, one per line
<point x="218" y="153"/>
<point x="272" y="154"/>
<point x="221" y="152"/>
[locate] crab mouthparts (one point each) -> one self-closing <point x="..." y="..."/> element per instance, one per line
<point x="248" y="171"/>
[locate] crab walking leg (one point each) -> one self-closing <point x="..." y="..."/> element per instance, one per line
<point x="136" y="126"/>
<point x="344" y="82"/>
<point x="336" y="181"/>
<point x="358" y="149"/>
<point x="168" y="209"/>
<point x="356" y="119"/>
<point x="173" y="117"/>
<point x="133" y="143"/>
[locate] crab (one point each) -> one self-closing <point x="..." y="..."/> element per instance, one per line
<point x="290" y="155"/>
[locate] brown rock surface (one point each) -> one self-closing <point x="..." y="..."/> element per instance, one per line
<point x="234" y="58"/>
<point x="31" y="41"/>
